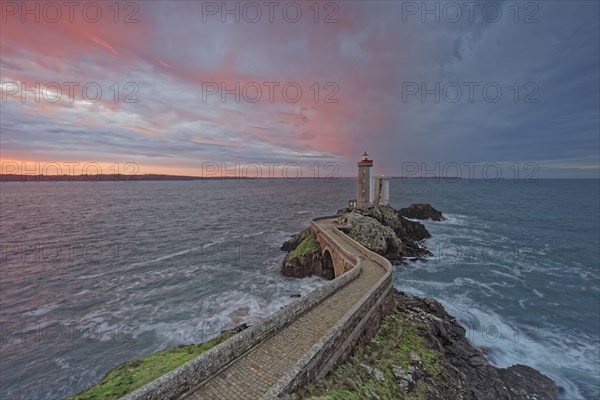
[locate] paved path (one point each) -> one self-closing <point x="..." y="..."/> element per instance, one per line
<point x="251" y="375"/>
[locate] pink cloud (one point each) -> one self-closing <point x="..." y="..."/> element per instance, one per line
<point x="310" y="125"/>
<point x="104" y="44"/>
<point x="144" y="130"/>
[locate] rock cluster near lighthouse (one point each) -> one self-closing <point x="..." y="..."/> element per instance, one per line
<point x="382" y="229"/>
<point x="410" y="233"/>
<point x="375" y="236"/>
<point x="421" y="211"/>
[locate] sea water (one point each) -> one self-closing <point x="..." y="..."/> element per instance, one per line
<point x="94" y="274"/>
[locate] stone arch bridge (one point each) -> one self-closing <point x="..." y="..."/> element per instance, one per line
<point x="336" y="261"/>
<point x="299" y="343"/>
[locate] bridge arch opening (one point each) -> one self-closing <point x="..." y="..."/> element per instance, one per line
<point x="328" y="269"/>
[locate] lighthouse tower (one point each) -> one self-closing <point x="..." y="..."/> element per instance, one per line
<point x="363" y="198"/>
<point x="381" y="190"/>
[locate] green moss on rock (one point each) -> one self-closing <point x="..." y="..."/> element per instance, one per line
<point x="396" y="346"/>
<point x="129" y="376"/>
<point x="309" y="245"/>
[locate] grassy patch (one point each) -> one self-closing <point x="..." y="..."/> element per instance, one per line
<point x="396" y="344"/>
<point x="127" y="377"/>
<point x="308" y="245"/>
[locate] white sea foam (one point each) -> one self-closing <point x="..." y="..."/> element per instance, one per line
<point x="456" y="219"/>
<point x="62" y="363"/>
<point x="522" y="302"/>
<point x="509" y="276"/>
<point x="248" y="235"/>
<point x="92" y="276"/>
<point x="510" y="343"/>
<point x="165" y="257"/>
<point x="42" y="310"/>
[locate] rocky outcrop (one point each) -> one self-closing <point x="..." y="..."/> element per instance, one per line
<point x="478" y="379"/>
<point x="421" y="352"/>
<point x="373" y="235"/>
<point x="294" y="241"/>
<point x="410" y="233"/>
<point x="381" y="229"/>
<point x="421" y="211"/>
<point x="303" y="266"/>
<point x="304" y="257"/>
<point x="524" y="382"/>
<point x="388" y="216"/>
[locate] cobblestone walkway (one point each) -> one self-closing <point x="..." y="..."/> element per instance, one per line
<point x="251" y="375"/>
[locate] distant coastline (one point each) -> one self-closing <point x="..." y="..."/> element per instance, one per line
<point x="163" y="177"/>
<point x="99" y="178"/>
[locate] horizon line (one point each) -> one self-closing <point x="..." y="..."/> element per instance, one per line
<point x="168" y="177"/>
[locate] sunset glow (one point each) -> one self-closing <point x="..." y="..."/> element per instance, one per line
<point x="129" y="85"/>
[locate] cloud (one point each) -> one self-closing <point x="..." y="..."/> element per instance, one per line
<point x="104" y="44"/>
<point x="353" y="76"/>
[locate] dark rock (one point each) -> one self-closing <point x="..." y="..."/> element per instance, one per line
<point x="294" y="241"/>
<point x="404" y="378"/>
<point x="376" y="373"/>
<point x="421" y="211"/>
<point x="479" y="380"/>
<point x="303" y="266"/>
<point x="527" y="383"/>
<point x="416" y="231"/>
<point x="237" y="329"/>
<point x="304" y="257"/>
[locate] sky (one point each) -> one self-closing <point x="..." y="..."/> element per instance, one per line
<point x="486" y="88"/>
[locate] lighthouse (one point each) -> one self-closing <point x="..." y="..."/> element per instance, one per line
<point x="380" y="186"/>
<point x="363" y="198"/>
<point x="381" y="190"/>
